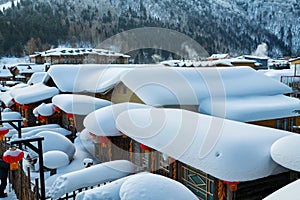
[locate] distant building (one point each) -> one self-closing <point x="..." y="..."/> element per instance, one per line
<point x="219" y="56"/>
<point x="262" y="61"/>
<point x="79" y="56"/>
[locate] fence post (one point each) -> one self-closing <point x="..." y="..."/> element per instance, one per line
<point x="37" y="189"/>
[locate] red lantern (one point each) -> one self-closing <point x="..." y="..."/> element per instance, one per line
<point x="70" y="116"/>
<point x="42" y="118"/>
<point x="3" y="131"/>
<point x="13" y="156"/>
<point x="145" y="148"/>
<point x="232" y="185"/>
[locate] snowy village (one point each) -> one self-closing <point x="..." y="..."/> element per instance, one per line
<point x="149" y="100"/>
<point x="220" y="128"/>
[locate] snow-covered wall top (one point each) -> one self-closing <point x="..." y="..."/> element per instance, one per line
<point x="38" y="77"/>
<point x="78" y="104"/>
<point x="33" y="93"/>
<point x="102" y="122"/>
<point x="251" y="108"/>
<point x="189" y="86"/>
<point x="228" y="150"/>
<point x="87" y="78"/>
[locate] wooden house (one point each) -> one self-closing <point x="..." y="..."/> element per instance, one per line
<point x="79" y="56"/>
<point x="207" y="172"/>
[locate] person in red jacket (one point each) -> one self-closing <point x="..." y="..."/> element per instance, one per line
<point x="4" y="167"/>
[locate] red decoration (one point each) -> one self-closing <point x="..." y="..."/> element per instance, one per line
<point x="70" y="116"/>
<point x="25" y="107"/>
<point x="232" y="185"/>
<point x="13" y="156"/>
<point x="3" y="131"/>
<point x="103" y="139"/>
<point x="145" y="148"/>
<point x="57" y="109"/>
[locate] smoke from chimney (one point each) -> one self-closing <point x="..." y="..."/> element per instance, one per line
<point x="261" y="51"/>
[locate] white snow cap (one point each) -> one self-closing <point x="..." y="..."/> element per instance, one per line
<point x="91" y="176"/>
<point x="189" y="86"/>
<point x="286" y="152"/>
<point x="251" y="108"/>
<point x="87" y="78"/>
<point x="55" y="141"/>
<point x="33" y="93"/>
<point x="157" y="187"/>
<point x="38" y="77"/>
<point x="222" y="148"/>
<point x="44" y="109"/>
<point x="55" y="159"/>
<point x="78" y="104"/>
<point x="102" y="122"/>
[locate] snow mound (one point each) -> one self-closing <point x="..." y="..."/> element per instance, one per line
<point x="214" y="145"/>
<point x="102" y="121"/>
<point x="44" y="109"/>
<point x="55" y="141"/>
<point x="154" y="187"/>
<point x="55" y="159"/>
<point x="78" y="104"/>
<point x="94" y="175"/>
<point x="286" y="152"/>
<point x="109" y="191"/>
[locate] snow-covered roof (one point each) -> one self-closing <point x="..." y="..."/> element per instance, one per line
<point x="38" y="77"/>
<point x="5" y="73"/>
<point x="285" y="152"/>
<point x="33" y="93"/>
<point x="133" y="187"/>
<point x="94" y="175"/>
<point x="219" y="56"/>
<point x="228" y="150"/>
<point x="189" y="86"/>
<point x="102" y="122"/>
<point x="88" y="78"/>
<point x="80" y="51"/>
<point x="29" y="68"/>
<point x="44" y="109"/>
<point x="78" y="104"/>
<point x="251" y="108"/>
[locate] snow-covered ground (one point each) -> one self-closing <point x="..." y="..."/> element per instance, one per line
<point x="11" y="60"/>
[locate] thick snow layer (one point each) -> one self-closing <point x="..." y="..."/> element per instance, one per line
<point x="33" y="93"/>
<point x="78" y="104"/>
<point x="102" y="122"/>
<point x="27" y="129"/>
<point x="251" y="108"/>
<point x="109" y="191"/>
<point x="55" y="141"/>
<point x="10" y="116"/>
<point x="38" y="77"/>
<point x="91" y="176"/>
<point x="153" y="187"/>
<point x="44" y="109"/>
<point x="61" y="131"/>
<point x="290" y="192"/>
<point x="55" y="159"/>
<point x="5" y="73"/>
<point x="189" y="86"/>
<point x="6" y="98"/>
<point x="286" y="152"/>
<point x="87" y="141"/>
<point x="87" y="78"/>
<point x="225" y="149"/>
<point x="276" y="74"/>
<point x="140" y="186"/>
